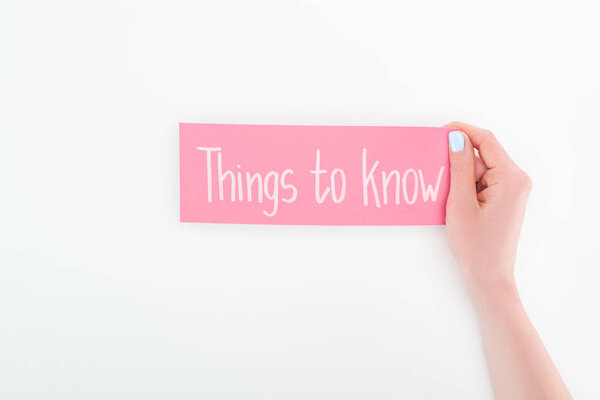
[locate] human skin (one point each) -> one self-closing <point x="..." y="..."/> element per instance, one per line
<point x="485" y="210"/>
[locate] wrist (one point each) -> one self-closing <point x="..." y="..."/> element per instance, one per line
<point x="490" y="287"/>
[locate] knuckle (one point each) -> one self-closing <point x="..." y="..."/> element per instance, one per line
<point x="490" y="177"/>
<point x="489" y="134"/>
<point x="520" y="181"/>
<point x="488" y="138"/>
<point x="526" y="181"/>
<point x="462" y="167"/>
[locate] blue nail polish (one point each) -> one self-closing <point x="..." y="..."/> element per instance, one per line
<point x="457" y="141"/>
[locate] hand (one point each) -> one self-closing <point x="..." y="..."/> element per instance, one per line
<point x="485" y="209"/>
<point x="486" y="205"/>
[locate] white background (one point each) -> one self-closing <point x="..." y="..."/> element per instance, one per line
<point x="104" y="294"/>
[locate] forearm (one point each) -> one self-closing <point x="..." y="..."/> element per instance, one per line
<point x="520" y="366"/>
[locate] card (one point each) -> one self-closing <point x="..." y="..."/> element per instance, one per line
<point x="313" y="175"/>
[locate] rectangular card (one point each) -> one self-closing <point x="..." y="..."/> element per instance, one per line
<point x="313" y="175"/>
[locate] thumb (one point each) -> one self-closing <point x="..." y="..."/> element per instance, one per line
<point x="463" y="191"/>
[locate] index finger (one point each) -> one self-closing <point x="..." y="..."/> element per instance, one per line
<point x="490" y="150"/>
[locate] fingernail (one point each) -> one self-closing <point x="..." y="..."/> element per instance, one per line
<point x="457" y="141"/>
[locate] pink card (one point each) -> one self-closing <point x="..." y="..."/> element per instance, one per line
<point x="313" y="175"/>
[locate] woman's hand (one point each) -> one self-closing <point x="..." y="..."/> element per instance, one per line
<point x="486" y="205"/>
<point x="485" y="209"/>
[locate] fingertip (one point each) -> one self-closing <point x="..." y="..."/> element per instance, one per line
<point x="456" y="141"/>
